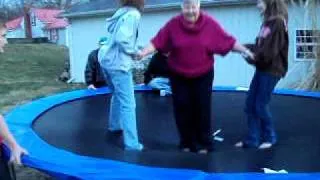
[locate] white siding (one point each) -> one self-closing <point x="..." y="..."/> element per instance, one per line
<point x="232" y="69"/>
<point x="83" y="38"/>
<point x="37" y="30"/>
<point x="62" y="37"/>
<point x="241" y="21"/>
<point x="17" y="33"/>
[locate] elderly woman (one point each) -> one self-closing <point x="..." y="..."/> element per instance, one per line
<point x="115" y="58"/>
<point x="192" y="38"/>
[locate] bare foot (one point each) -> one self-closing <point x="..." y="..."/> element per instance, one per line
<point x="239" y="144"/>
<point x="203" y="151"/>
<point x="185" y="150"/>
<point x="265" y="145"/>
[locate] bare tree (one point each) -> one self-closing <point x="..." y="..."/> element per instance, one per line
<point x="309" y="11"/>
<point x="10" y="9"/>
<point x="59" y="4"/>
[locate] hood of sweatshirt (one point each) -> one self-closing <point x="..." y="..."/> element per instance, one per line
<point x="112" y="21"/>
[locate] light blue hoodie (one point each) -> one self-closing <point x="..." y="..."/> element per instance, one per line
<point x="122" y="29"/>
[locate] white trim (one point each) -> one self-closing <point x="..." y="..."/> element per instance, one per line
<point x="158" y="7"/>
<point x="242" y="88"/>
<point x="67" y="36"/>
<point x="296" y="59"/>
<point x="33" y="19"/>
<point x="71" y="57"/>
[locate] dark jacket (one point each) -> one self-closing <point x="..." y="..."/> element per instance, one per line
<point x="158" y="67"/>
<point x="271" y="47"/>
<point x="93" y="72"/>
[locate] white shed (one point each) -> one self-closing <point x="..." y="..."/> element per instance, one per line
<point x="238" y="17"/>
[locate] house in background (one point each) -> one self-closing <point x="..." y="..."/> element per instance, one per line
<point x="39" y="23"/>
<point x="239" y="17"/>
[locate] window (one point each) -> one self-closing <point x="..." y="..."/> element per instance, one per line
<point x="33" y="20"/>
<point x="53" y="35"/>
<point x="307" y="44"/>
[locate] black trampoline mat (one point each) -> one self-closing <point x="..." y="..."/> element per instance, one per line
<point x="80" y="127"/>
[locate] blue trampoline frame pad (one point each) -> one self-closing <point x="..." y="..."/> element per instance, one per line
<point x="63" y="164"/>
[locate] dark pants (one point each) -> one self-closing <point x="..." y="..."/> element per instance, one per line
<point x="192" y="110"/>
<point x="4" y="168"/>
<point x="100" y="84"/>
<point x="259" y="117"/>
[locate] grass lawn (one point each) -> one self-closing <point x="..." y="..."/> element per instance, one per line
<point x="30" y="71"/>
<point x="27" y="72"/>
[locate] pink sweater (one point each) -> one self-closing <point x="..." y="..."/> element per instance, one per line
<point x="192" y="48"/>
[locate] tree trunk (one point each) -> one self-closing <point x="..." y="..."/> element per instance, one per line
<point x="312" y="80"/>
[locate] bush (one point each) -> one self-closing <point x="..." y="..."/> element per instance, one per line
<point x="139" y="67"/>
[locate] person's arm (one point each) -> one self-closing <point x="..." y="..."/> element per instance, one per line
<point x="149" y="49"/>
<point x="161" y="42"/>
<point x="243" y="50"/>
<point x="223" y="42"/>
<point x="90" y="71"/>
<point x="16" y="150"/>
<point x="251" y="47"/>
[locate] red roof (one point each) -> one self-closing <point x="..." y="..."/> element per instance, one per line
<point x="48" y="16"/>
<point x="14" y="24"/>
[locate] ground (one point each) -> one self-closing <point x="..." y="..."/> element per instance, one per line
<point x="28" y="72"/>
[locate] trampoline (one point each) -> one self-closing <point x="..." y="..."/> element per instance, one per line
<point x="66" y="137"/>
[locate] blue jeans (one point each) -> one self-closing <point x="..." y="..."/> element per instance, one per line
<point x="261" y="128"/>
<point x="122" y="114"/>
<point x="161" y="84"/>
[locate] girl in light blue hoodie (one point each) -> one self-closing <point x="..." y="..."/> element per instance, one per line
<point x="115" y="58"/>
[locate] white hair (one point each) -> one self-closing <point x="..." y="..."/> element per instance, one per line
<point x="191" y="1"/>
